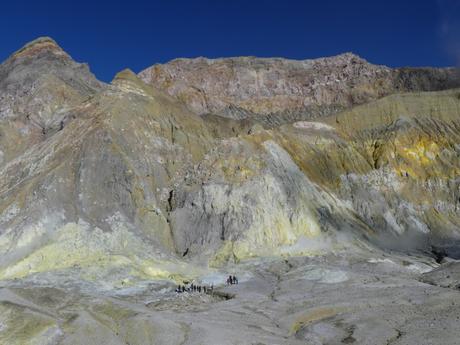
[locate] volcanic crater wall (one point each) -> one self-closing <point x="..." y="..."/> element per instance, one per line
<point x="219" y="160"/>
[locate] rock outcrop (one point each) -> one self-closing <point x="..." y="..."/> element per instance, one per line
<point x="277" y="91"/>
<point x="38" y="85"/>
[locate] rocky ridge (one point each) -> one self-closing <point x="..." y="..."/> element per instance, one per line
<point x="277" y="91"/>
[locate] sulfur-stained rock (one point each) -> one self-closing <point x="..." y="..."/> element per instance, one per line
<point x="134" y="177"/>
<point x="111" y="195"/>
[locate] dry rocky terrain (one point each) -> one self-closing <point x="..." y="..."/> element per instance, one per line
<point x="329" y="187"/>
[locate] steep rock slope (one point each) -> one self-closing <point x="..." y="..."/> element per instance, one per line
<point x="387" y="170"/>
<point x="96" y="192"/>
<point x="277" y="91"/>
<point x="135" y="180"/>
<point x="38" y="85"/>
<point x="411" y="141"/>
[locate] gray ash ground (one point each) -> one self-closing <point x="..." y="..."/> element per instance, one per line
<point x="189" y="301"/>
<point x="335" y="299"/>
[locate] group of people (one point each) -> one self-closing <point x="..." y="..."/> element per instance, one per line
<point x="206" y="289"/>
<point x="195" y="288"/>
<point x="232" y="280"/>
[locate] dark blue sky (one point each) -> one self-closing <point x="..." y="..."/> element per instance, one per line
<point x="112" y="35"/>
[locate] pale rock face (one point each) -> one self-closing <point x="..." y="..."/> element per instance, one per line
<point x="254" y="222"/>
<point x="262" y="205"/>
<point x="312" y="125"/>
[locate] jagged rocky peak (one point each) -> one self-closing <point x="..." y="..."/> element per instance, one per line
<point x="43" y="57"/>
<point x="125" y="74"/>
<point x="42" y="69"/>
<point x="127" y="80"/>
<point x="38" y="85"/>
<point x="277" y="90"/>
<point x="39" y="46"/>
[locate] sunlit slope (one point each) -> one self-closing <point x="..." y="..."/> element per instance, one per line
<point x="410" y="143"/>
<point x="96" y="193"/>
<point x="135" y="183"/>
<point x="389" y="170"/>
<point x="39" y="84"/>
